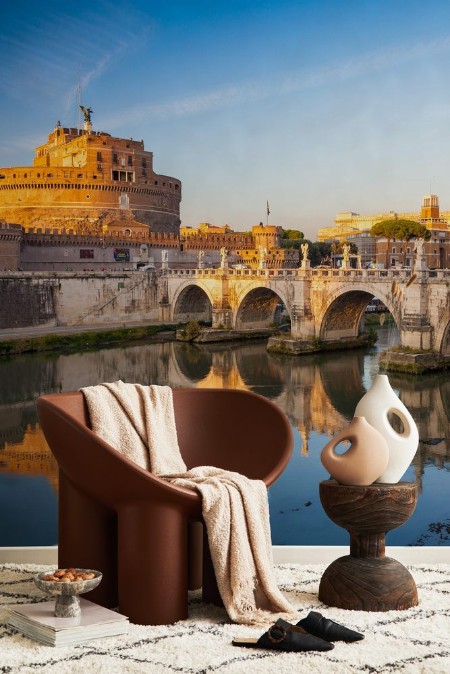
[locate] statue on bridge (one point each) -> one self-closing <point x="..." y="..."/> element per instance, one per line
<point x="164" y="259"/>
<point x="305" y="260"/>
<point x="420" y="262"/>
<point x="418" y="247"/>
<point x="223" y="256"/>
<point x="201" y="258"/>
<point x="262" y="253"/>
<point x="262" y="257"/>
<point x="345" y="255"/>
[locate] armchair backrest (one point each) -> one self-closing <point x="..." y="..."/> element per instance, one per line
<point x="227" y="428"/>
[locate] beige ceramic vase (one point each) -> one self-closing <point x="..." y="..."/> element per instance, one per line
<point x="364" y="461"/>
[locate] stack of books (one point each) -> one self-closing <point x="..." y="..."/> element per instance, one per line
<point x="38" y="621"/>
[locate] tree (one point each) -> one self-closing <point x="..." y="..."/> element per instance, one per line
<point x="384" y="229"/>
<point x="405" y="230"/>
<point x="292" y="234"/>
<point x="400" y="230"/>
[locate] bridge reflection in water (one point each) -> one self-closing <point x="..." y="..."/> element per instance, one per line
<point x="318" y="393"/>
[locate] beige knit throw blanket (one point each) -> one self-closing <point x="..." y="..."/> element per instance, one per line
<point x="139" y="421"/>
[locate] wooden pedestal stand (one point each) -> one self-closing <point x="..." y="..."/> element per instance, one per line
<point x="367" y="580"/>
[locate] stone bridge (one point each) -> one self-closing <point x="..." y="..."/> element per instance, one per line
<point x="325" y="305"/>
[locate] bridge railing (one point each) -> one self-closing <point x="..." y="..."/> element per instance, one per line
<point x="335" y="274"/>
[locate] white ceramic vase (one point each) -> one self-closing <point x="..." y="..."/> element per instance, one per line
<point x="375" y="406"/>
<point x="364" y="461"/>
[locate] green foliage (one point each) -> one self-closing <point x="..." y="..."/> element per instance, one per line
<point x="193" y="330"/>
<point x="385" y="229"/>
<point x="400" y="230"/>
<point x="373" y="336"/>
<point x="292" y="234"/>
<point x="81" y="341"/>
<point x="409" y="349"/>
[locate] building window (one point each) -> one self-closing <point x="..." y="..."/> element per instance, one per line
<point x="115" y="158"/>
<point x="99" y="156"/>
<point x="130" y="160"/>
<point x="144" y="162"/>
<point x="122" y="176"/>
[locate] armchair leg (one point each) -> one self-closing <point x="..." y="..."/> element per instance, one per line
<point x="87" y="538"/>
<point x="195" y="532"/>
<point x="210" y="590"/>
<point x="153" y="563"/>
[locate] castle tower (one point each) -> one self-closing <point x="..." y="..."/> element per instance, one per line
<point x="430" y="207"/>
<point x="82" y="179"/>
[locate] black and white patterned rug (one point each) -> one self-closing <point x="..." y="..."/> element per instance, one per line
<point x="413" y="641"/>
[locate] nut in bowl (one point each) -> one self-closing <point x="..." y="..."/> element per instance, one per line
<point x="66" y="585"/>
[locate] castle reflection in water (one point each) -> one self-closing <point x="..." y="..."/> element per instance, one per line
<point x="318" y="393"/>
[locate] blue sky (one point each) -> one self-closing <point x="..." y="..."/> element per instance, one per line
<point x="316" y="106"/>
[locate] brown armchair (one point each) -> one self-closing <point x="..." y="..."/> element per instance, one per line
<point x="141" y="531"/>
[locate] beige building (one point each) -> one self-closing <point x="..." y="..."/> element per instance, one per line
<point x="436" y="250"/>
<point x="355" y="227"/>
<point x="351" y="223"/>
<point x="89" y="181"/>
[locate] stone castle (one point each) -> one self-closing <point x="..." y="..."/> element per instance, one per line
<point x="91" y="183"/>
<point x="92" y="201"/>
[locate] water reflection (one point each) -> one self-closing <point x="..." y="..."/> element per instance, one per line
<point x="318" y="393"/>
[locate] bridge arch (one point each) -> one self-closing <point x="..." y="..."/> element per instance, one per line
<point x="443" y="336"/>
<point x="259" y="307"/>
<point x="192" y="302"/>
<point x="344" y="309"/>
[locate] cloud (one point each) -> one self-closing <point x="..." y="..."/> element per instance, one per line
<point x="91" y="75"/>
<point x="221" y="97"/>
<point x="40" y="56"/>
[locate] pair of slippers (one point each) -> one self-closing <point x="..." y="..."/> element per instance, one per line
<point x="313" y="633"/>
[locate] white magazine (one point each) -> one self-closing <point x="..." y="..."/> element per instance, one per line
<point x="38" y="621"/>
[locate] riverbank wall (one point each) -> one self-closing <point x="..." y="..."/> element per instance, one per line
<point x="29" y="299"/>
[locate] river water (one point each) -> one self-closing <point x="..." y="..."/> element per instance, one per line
<point x="319" y="394"/>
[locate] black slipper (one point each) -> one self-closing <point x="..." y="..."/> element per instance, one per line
<point x="316" y="624"/>
<point x="283" y="636"/>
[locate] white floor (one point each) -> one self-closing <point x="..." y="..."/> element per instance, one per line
<point x="283" y="554"/>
